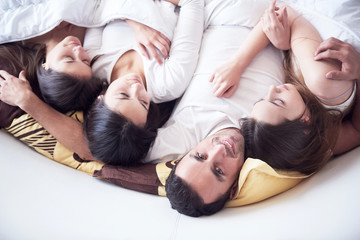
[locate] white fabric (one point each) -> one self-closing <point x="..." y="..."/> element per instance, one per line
<point x="199" y="113"/>
<point x="334" y="18"/>
<point x="164" y="82"/>
<point x="24" y="19"/>
<point x="42" y="199"/>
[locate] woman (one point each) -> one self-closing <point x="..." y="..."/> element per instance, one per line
<point x="132" y="78"/>
<point x="301" y="133"/>
<point x="65" y="85"/>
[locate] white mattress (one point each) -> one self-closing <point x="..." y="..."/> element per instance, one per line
<point x="41" y="199"/>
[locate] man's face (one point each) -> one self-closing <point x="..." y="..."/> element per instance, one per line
<point x="212" y="166"/>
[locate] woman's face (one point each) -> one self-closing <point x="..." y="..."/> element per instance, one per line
<point x="69" y="57"/>
<point x="281" y="103"/>
<point x="127" y="96"/>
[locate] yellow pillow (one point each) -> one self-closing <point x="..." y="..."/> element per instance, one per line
<point x="30" y="132"/>
<point x="257" y="180"/>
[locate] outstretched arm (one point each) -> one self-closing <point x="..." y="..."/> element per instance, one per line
<point x="17" y="92"/>
<point x="226" y="78"/>
<point x="272" y="26"/>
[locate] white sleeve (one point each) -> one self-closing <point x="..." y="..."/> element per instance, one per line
<point x="168" y="81"/>
<point x="93" y="41"/>
<point x="171" y="143"/>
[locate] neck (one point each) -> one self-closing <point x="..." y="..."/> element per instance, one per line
<point x="129" y="62"/>
<point x="55" y="36"/>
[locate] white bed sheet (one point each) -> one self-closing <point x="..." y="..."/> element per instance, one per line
<point x="41" y="199"/>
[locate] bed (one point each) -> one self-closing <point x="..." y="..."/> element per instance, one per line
<point x="42" y="199"/>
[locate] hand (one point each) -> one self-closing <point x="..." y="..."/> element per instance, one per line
<point x="226" y="79"/>
<point x="149" y="40"/>
<point x="14" y="91"/>
<point x="275" y="25"/>
<point x="333" y="48"/>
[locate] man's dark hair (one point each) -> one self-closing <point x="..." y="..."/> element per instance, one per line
<point x="187" y="201"/>
<point x="114" y="139"/>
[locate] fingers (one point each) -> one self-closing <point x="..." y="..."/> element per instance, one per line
<point x="212" y="77"/>
<point x="284" y="20"/>
<point x="230" y="92"/>
<point x="143" y="51"/>
<point x="330" y="43"/>
<point x="220" y="88"/>
<point x="5" y="75"/>
<point x="152" y="49"/>
<point x="337" y="75"/>
<point x="219" y="91"/>
<point x="329" y="53"/>
<point x="163" y="44"/>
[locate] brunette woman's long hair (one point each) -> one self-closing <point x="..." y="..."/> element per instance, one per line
<point x="298" y="145"/>
<point x="61" y="91"/>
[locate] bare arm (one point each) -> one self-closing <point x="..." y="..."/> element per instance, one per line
<point x="17" y="92"/>
<point x="226" y="78"/>
<point x="304" y="42"/>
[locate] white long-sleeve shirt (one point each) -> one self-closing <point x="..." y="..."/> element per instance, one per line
<point x="164" y="82"/>
<point x="199" y="113"/>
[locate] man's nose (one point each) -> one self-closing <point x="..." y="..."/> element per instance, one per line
<point x="219" y="151"/>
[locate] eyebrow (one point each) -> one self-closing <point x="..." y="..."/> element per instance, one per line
<point x="269" y="102"/>
<point x="72" y="61"/>
<point x="217" y="175"/>
<point x="127" y="98"/>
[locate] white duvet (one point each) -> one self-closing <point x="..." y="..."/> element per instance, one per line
<point x="23" y="19"/>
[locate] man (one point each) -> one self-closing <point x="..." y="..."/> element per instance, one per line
<point x="209" y="171"/>
<point x="196" y="185"/>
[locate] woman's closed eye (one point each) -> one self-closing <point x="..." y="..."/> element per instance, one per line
<point x="124" y="95"/>
<point x="68" y="58"/>
<point x="279" y="102"/>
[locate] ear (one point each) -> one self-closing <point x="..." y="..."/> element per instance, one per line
<point x="99" y="98"/>
<point x="234" y="190"/>
<point x="306" y="117"/>
<point x="306" y="120"/>
<point x="45" y="66"/>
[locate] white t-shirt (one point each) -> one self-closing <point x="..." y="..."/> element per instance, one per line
<point x="199" y="113"/>
<point x="164" y="82"/>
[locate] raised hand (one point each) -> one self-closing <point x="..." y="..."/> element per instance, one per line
<point x="275" y="25"/>
<point x="226" y="79"/>
<point x="14" y="91"/>
<point x="149" y="40"/>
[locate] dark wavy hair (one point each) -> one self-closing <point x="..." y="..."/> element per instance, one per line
<point x="187" y="201"/>
<point x="294" y="145"/>
<point x="114" y="139"/>
<point x="64" y="92"/>
<point x="61" y="91"/>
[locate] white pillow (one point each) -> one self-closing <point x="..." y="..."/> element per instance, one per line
<point x="234" y="12"/>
